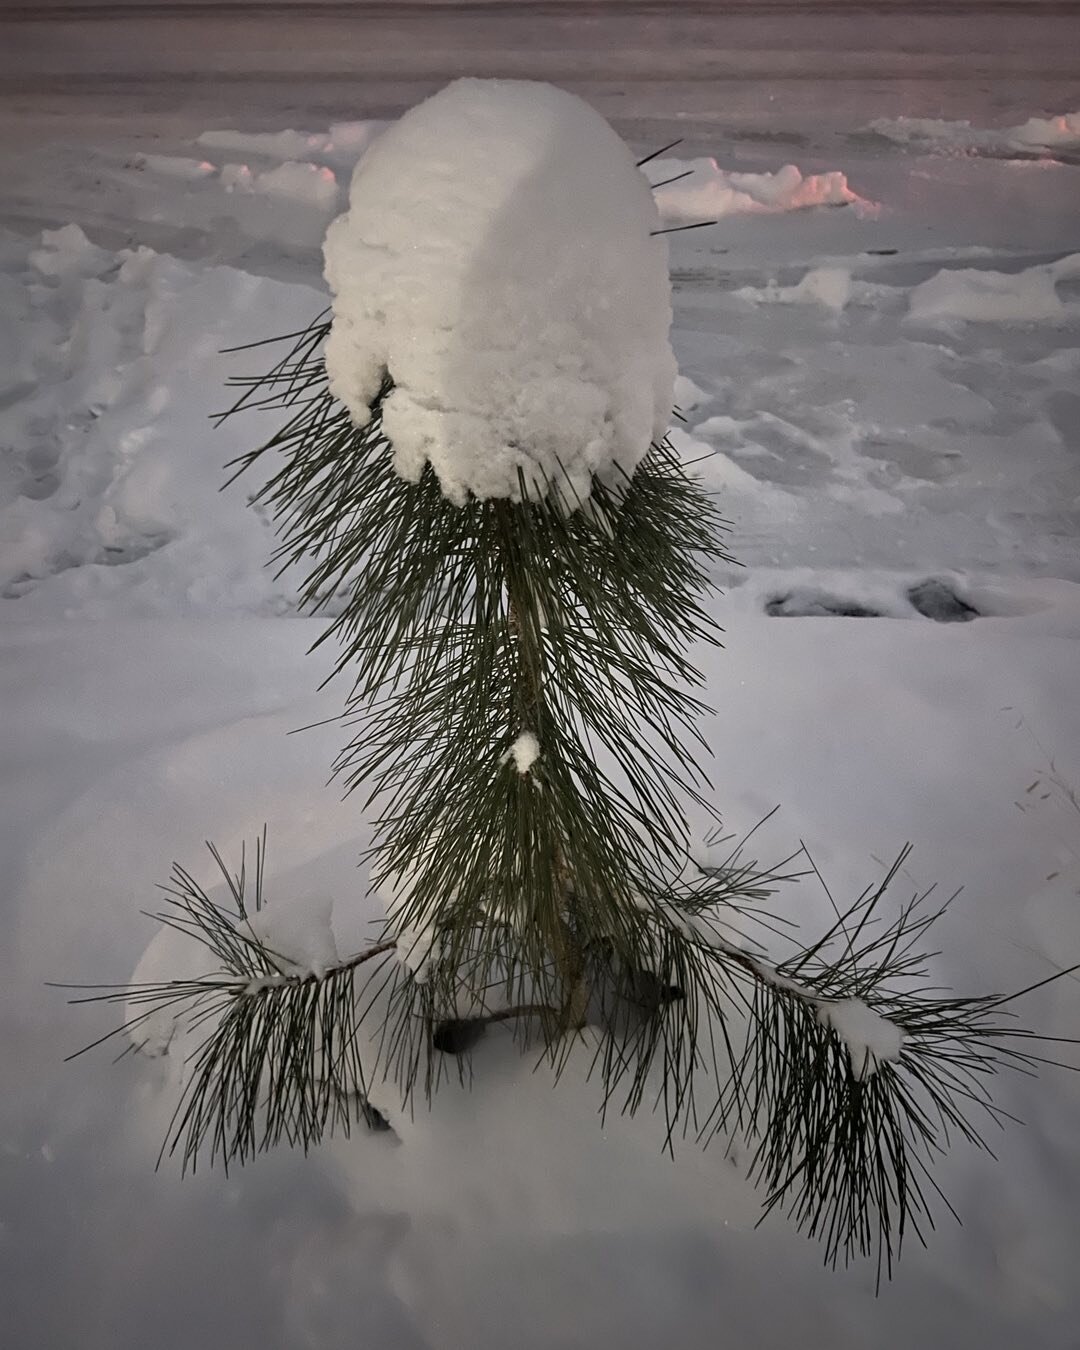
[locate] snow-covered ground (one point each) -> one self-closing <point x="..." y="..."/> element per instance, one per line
<point x="880" y="350"/>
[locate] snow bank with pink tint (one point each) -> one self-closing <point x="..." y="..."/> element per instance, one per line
<point x="699" y="189"/>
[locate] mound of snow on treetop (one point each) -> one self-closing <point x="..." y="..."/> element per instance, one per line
<point x="1061" y="132"/>
<point x="497" y="260"/>
<point x="691" y="190"/>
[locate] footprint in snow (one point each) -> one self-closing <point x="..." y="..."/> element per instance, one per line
<point x="933" y="599"/>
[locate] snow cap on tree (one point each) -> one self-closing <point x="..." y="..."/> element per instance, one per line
<point x="498" y="260"/>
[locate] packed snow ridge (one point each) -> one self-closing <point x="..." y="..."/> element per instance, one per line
<point x="1061" y="132"/>
<point x="498" y="261"/>
<point x="979" y="295"/>
<point x="691" y="190"/>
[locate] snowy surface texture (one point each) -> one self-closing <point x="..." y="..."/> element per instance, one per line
<point x="889" y="475"/>
<point x="497" y="260"/>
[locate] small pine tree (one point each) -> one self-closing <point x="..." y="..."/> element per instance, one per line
<point x="523" y="714"/>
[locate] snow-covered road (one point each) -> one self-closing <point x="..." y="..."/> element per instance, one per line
<point x="755" y="67"/>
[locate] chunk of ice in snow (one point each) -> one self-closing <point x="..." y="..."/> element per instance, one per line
<point x="283" y="145"/>
<point x="497" y="260"/>
<point x="67" y="252"/>
<point x="237" y="177"/>
<point x="1048" y="132"/>
<point x="981" y="296"/>
<point x="829" y="287"/>
<point x="707" y="192"/>
<point x="177" y="166"/>
<point x="294" y="181"/>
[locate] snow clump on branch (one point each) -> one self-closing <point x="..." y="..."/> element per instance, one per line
<point x="498" y="261"/>
<point x="871" y="1040"/>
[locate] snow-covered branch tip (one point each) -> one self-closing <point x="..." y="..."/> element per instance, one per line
<point x="869" y="1038"/>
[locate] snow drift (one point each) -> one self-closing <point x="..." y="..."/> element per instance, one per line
<point x="699" y="189"/>
<point x="1046" y="134"/>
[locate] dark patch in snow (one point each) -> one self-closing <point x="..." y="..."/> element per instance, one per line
<point x="933" y="599"/>
<point x="936" y="599"/>
<point x="906" y="459"/>
<point x="374" y="1118"/>
<point x="139" y="546"/>
<point x="692" y="275"/>
<point x="330" y="604"/>
<point x="32" y="472"/>
<point x="766" y="137"/>
<point x="650" y="993"/>
<point x="39" y="487"/>
<point x="15" y="394"/>
<point x="110" y="555"/>
<point x="458" y="1035"/>
<point x="1063" y="411"/>
<point x="18" y="585"/>
<point x="816" y="604"/>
